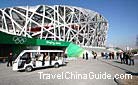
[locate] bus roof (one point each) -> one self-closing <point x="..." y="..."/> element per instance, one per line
<point x="43" y="51"/>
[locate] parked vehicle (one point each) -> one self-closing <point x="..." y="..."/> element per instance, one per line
<point x="30" y="59"/>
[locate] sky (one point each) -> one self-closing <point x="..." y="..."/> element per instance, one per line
<point x="122" y="16"/>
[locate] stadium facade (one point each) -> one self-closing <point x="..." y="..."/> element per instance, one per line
<point x="80" y="26"/>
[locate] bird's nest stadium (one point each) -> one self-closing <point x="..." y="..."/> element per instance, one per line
<point x="51" y="26"/>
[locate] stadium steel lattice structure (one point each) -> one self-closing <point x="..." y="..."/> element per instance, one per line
<point x="59" y="22"/>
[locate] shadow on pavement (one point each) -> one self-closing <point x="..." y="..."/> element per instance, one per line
<point x="115" y="66"/>
<point x="42" y="68"/>
<point x="132" y="73"/>
<point x="117" y="62"/>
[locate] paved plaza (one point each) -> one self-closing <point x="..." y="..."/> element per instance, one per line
<point x="9" y="77"/>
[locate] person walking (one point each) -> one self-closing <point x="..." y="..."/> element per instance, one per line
<point x="95" y="55"/>
<point x="102" y="54"/>
<point x="110" y="55"/>
<point x="131" y="59"/>
<point x="64" y="58"/>
<point x="10" y="59"/>
<point x="83" y="56"/>
<point x="86" y="56"/>
<point x="117" y="55"/>
<point x="122" y="57"/>
<point x="106" y="56"/>
<point x="127" y="57"/>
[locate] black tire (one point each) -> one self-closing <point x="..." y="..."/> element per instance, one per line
<point x="56" y="65"/>
<point x="28" y="68"/>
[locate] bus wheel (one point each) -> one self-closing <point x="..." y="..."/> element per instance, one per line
<point x="56" y="65"/>
<point x="28" y="69"/>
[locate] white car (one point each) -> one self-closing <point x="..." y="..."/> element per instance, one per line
<point x="29" y="59"/>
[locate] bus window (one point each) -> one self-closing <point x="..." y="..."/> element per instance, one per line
<point x="26" y="57"/>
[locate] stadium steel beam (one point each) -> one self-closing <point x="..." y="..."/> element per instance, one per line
<point x="59" y="22"/>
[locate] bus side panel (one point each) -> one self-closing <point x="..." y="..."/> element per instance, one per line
<point x="15" y="66"/>
<point x="58" y="61"/>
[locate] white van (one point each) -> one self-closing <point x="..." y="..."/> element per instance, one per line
<point x="29" y="59"/>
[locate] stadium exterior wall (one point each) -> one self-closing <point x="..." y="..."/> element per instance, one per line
<point x="59" y="22"/>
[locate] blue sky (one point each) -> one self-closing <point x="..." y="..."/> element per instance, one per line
<point x="122" y="16"/>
